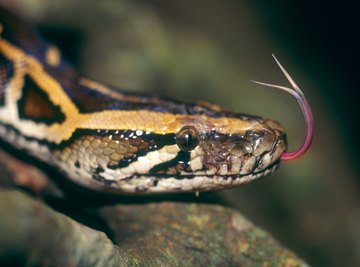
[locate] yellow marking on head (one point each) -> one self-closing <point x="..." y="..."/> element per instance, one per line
<point x="160" y="123"/>
<point x="53" y="56"/>
<point x="151" y="121"/>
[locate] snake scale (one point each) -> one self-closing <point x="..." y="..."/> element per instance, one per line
<point x="108" y="140"/>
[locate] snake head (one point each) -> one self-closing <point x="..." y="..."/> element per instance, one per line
<point x="167" y="146"/>
<point x="216" y="153"/>
<point x="205" y="149"/>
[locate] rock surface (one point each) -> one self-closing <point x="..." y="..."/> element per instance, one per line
<point x="155" y="234"/>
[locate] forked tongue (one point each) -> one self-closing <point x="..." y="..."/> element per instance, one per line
<point x="308" y="116"/>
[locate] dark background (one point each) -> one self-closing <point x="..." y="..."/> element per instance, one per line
<point x="326" y="35"/>
<point x="210" y="50"/>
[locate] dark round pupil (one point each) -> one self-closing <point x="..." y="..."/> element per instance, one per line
<point x="187" y="138"/>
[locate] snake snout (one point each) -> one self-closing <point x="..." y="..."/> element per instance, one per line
<point x="244" y="153"/>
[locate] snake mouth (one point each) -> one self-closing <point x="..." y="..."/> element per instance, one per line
<point x="182" y="183"/>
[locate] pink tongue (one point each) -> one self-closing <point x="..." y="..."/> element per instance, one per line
<point x="308" y="117"/>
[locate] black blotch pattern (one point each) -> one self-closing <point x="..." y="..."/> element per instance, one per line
<point x="158" y="140"/>
<point x="99" y="169"/>
<point x="182" y="158"/>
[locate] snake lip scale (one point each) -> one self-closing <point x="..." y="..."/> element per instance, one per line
<point x="113" y="141"/>
<point x="159" y="184"/>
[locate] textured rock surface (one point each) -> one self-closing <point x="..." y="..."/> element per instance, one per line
<point x="161" y="234"/>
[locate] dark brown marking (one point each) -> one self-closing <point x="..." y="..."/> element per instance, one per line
<point x="36" y="105"/>
<point x="6" y="73"/>
<point x="151" y="142"/>
<point x="174" y="166"/>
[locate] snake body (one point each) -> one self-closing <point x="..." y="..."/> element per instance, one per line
<point x="109" y="140"/>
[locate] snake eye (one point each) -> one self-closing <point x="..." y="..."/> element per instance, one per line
<point x="187" y="138"/>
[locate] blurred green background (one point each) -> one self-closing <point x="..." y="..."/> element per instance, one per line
<point x="210" y="50"/>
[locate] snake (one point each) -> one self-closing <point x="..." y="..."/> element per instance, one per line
<point x="109" y="140"/>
